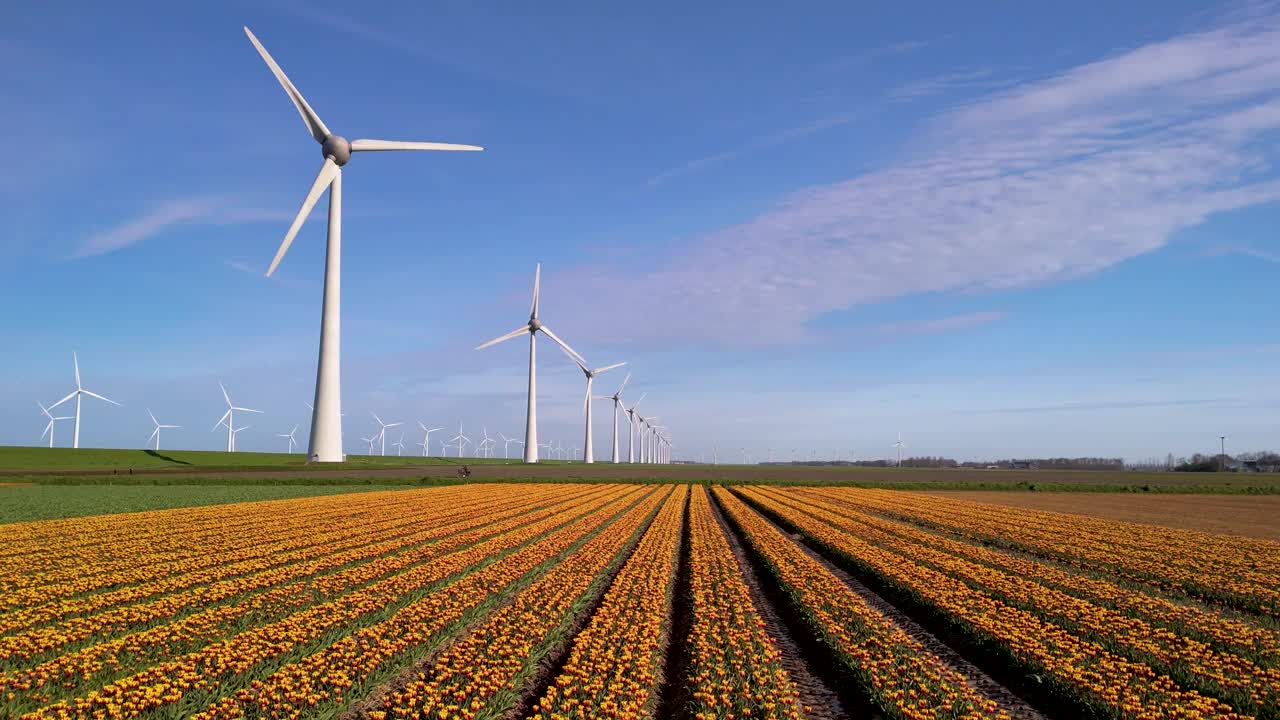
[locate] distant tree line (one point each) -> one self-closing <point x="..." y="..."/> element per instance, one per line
<point x="1257" y="461"/>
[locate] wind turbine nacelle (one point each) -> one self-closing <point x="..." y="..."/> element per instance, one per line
<point x="535" y="324"/>
<point x="337" y="147"/>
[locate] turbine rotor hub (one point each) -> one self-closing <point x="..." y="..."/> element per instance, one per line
<point x="535" y="325"/>
<point x="338" y="148"/>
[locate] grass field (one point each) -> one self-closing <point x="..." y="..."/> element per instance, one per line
<point x="20" y="503"/>
<point x="654" y="601"/>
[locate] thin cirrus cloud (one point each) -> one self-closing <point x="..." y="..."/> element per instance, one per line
<point x="169" y="215"/>
<point x="1044" y="182"/>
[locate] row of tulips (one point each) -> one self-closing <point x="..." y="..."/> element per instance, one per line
<point x="113" y="543"/>
<point x="53" y="624"/>
<point x="1083" y="671"/>
<point x="1239" y="571"/>
<point x="323" y="680"/>
<point x="484" y="674"/>
<point x="735" y="669"/>
<point x="616" y="662"/>
<point x="73" y="671"/>
<point x="206" y="671"/>
<point x="1212" y="626"/>
<point x="897" y="673"/>
<point x="1241" y="682"/>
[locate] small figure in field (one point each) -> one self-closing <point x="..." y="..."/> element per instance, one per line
<point x="464" y="471"/>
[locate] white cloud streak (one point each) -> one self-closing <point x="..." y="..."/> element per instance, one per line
<point x="1049" y="181"/>
<point x="197" y="210"/>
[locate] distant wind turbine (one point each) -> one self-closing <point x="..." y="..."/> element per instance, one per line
<point x="382" y="434"/>
<point x="229" y="418"/>
<point x="370" y="440"/>
<point x="899" y="445"/>
<point x="79" y="391"/>
<point x="587" y="454"/>
<point x="460" y="439"/>
<point x="633" y="420"/>
<point x="426" y="439"/>
<point x="616" y="397"/>
<point x="506" y="446"/>
<point x="289" y="435"/>
<point x="399" y="445"/>
<point x="155" y="434"/>
<point x="326" y="423"/>
<point x="48" y="429"/>
<point x="235" y="433"/>
<point x="532" y="328"/>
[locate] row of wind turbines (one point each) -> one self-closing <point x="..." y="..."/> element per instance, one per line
<point x="325" y="443"/>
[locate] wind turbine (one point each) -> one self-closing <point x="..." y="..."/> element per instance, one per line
<point x="229" y="417"/>
<point x="426" y="439"/>
<point x="485" y="444"/>
<point x="236" y="432"/>
<point x="154" y="433"/>
<point x="899" y="445"/>
<point x="399" y="445"/>
<point x="75" y="442"/>
<point x="533" y="327"/>
<point x="461" y="439"/>
<point x="634" y="427"/>
<point x="506" y="445"/>
<point x="587" y="454"/>
<point x="289" y="435"/>
<point x="326" y="423"/>
<point x="617" y="402"/>
<point x="382" y="434"/>
<point x="370" y="440"/>
<point x="48" y="429"/>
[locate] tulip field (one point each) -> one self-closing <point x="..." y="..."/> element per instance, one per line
<point x="567" y="600"/>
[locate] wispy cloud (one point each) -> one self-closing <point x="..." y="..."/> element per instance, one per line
<point x="765" y="141"/>
<point x="1113" y="405"/>
<point x="858" y="59"/>
<point x="932" y="326"/>
<point x="197" y="210"/>
<point x="1256" y="254"/>
<point x="967" y="81"/>
<point x="1045" y="182"/>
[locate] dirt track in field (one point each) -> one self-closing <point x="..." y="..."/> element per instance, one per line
<point x="1248" y="515"/>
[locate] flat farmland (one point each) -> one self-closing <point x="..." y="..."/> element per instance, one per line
<point x="648" y="600"/>
<point x="1254" y="516"/>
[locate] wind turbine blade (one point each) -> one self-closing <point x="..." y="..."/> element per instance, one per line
<point x="248" y="410"/>
<point x="150" y="437"/>
<point x="424" y="427"/>
<point x="607" y="367"/>
<point x="435" y="429"/>
<point x="637" y="403"/>
<point x="508" y="336"/>
<point x="390" y="425"/>
<point x="375" y="417"/>
<point x="574" y="353"/>
<point x="374" y="145"/>
<point x="224" y="393"/>
<point x="44" y="410"/>
<point x="625" y="380"/>
<point x="537" y="280"/>
<point x="575" y="360"/>
<point x="47" y="428"/>
<point x="68" y="397"/>
<point x="221" y="420"/>
<point x="153" y="417"/>
<point x="76" y="360"/>
<point x="96" y="395"/>
<point x="309" y="117"/>
<point x="328" y="171"/>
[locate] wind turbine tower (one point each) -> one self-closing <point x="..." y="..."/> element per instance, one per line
<point x="326" y="420"/>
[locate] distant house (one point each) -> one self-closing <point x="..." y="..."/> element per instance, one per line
<point x="1023" y="465"/>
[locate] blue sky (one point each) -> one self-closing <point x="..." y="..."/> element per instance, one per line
<point x="1031" y="230"/>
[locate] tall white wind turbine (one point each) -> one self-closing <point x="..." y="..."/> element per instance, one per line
<point x="235" y="433"/>
<point x="155" y="434"/>
<point x="587" y="454"/>
<point x="289" y="435"/>
<point x="326" y="423"/>
<point x="460" y="439"/>
<point x="616" y="397"/>
<point x="426" y="439"/>
<point x="370" y="441"/>
<point x="79" y="391"/>
<point x="506" y="445"/>
<point x="48" y="429"/>
<point x="532" y="328"/>
<point x="382" y="434"/>
<point x="633" y="421"/>
<point x="899" y="445"/>
<point x="229" y="418"/>
<point x="399" y="445"/>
